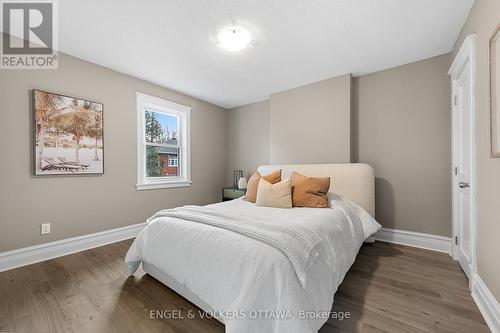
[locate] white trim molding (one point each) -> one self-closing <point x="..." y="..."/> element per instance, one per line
<point x="37" y="253"/>
<point x="464" y="55"/>
<point x="415" y="239"/>
<point x="183" y="114"/>
<point x="486" y="302"/>
<point x="152" y="186"/>
<point x="464" y="60"/>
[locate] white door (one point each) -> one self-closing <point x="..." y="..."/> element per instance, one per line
<point x="463" y="170"/>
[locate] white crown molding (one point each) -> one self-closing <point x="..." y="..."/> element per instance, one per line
<point x="486" y="302"/>
<point x="415" y="239"/>
<point x="37" y="253"/>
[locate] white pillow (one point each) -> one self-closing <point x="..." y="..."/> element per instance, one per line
<point x="277" y="195"/>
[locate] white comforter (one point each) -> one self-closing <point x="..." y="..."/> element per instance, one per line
<point x="252" y="284"/>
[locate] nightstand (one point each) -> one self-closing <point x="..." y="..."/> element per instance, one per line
<point x="230" y="193"/>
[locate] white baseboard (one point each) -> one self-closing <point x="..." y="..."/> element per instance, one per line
<point x="37" y="253"/>
<point x="486" y="302"/>
<point x="415" y="239"/>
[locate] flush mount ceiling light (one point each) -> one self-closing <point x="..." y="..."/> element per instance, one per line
<point x="234" y="39"/>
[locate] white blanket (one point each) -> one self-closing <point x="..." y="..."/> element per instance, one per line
<point x="296" y="241"/>
<point x="250" y="279"/>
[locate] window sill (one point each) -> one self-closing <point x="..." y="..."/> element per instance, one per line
<point x="157" y="186"/>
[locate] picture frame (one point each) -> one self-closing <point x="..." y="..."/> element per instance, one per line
<point x="68" y="135"/>
<point x="494" y="92"/>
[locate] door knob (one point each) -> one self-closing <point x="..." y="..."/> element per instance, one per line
<point x="463" y="185"/>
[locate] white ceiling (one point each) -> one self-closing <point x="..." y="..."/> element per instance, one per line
<point x="171" y="42"/>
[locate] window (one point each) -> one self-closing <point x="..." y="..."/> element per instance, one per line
<point x="162" y="143"/>
<point x="172" y="161"/>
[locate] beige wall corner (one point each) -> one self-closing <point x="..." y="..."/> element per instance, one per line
<point x="248" y="138"/>
<point x="402" y="127"/>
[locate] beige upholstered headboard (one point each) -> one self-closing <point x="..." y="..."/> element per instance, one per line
<point x="355" y="181"/>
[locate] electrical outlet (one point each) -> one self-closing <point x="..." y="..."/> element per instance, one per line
<point x="45" y="229"/>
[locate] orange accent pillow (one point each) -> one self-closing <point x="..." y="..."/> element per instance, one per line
<point x="309" y="191"/>
<point x="253" y="183"/>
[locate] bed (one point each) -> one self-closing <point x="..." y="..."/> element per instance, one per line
<point x="262" y="269"/>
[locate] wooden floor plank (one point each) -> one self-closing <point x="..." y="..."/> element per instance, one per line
<point x="390" y="288"/>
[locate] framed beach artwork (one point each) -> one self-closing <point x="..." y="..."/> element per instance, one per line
<point x="495" y="92"/>
<point x="68" y="135"/>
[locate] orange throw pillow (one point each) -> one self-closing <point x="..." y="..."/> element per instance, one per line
<point x="253" y="183"/>
<point x="309" y="191"/>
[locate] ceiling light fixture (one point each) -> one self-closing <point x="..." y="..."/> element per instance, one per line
<point x="234" y="39"/>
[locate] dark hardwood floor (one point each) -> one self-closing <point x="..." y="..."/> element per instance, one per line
<point x="390" y="288"/>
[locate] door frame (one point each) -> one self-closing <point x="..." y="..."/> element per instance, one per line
<point x="465" y="60"/>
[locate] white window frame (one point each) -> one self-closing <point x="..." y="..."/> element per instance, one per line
<point x="155" y="104"/>
<point x="176" y="159"/>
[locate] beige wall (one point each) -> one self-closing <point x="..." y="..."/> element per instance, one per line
<point x="402" y="127"/>
<point x="83" y="205"/>
<point x="483" y="19"/>
<point x="308" y="124"/>
<point x="248" y="138"/>
<point x="311" y="124"/>
<point x="400" y="123"/>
